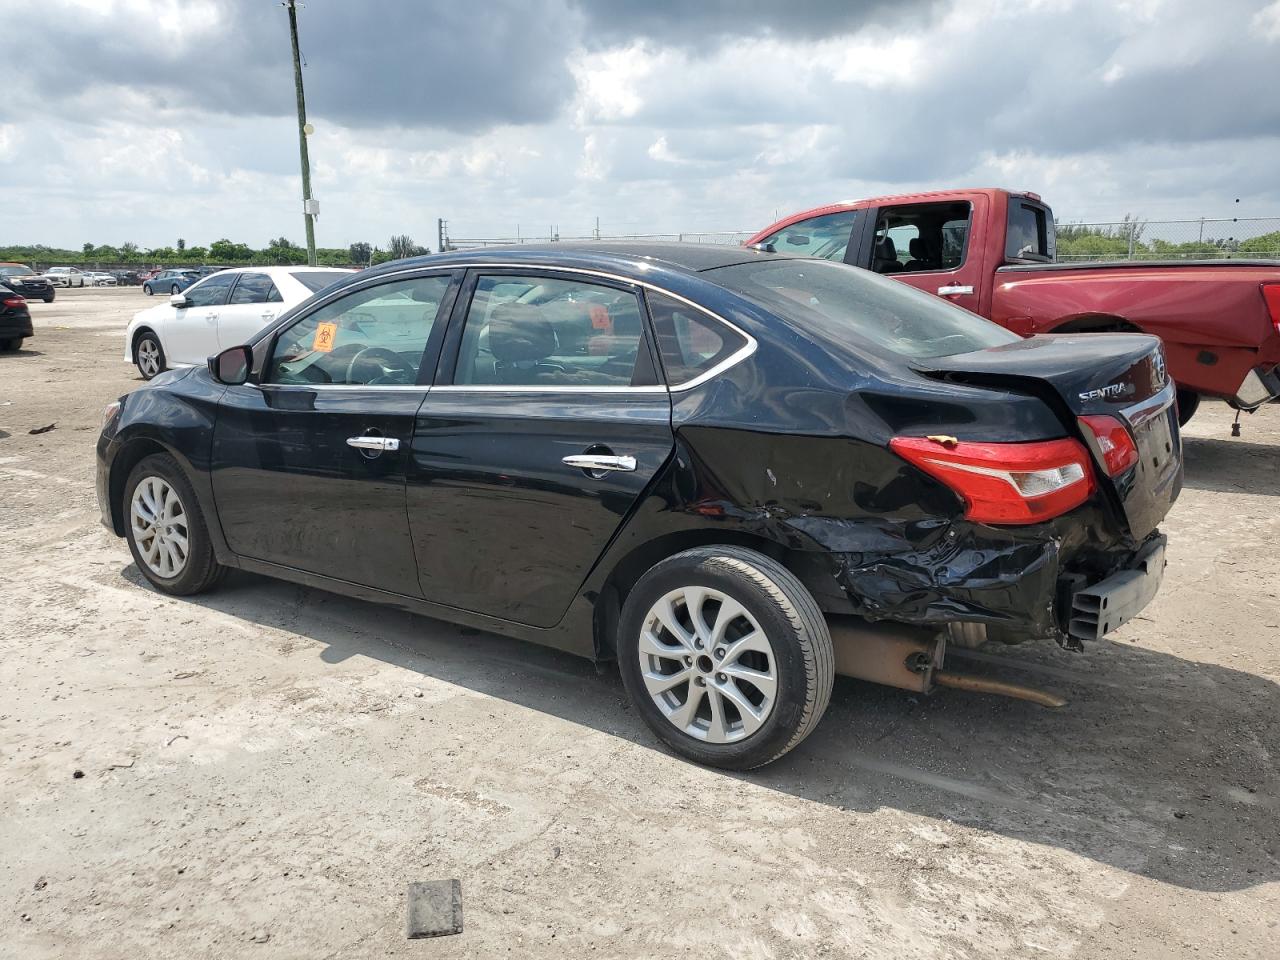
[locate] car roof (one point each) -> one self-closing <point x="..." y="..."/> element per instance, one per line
<point x="629" y="259"/>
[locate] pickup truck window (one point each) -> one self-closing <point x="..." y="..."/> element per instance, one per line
<point x="921" y="237"/>
<point x="836" y="300"/>
<point x="825" y="237"/>
<point x="1030" y="235"/>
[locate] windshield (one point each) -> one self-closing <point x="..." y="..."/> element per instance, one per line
<point x="835" y="300"/>
<point x="315" y="280"/>
<point x="14" y="271"/>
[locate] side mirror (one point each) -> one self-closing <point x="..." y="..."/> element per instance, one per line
<point x="231" y="367"/>
<point x="179" y="300"/>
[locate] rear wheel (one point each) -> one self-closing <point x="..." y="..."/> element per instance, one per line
<point x="48" y="297"/>
<point x="166" y="531"/>
<point x="726" y="656"/>
<point x="175" y="289"/>
<point x="1188" y="403"/>
<point x="12" y="345"/>
<point x="148" y="355"/>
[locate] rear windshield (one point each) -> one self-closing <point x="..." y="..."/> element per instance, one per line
<point x="836" y="300"/>
<point x="315" y="280"/>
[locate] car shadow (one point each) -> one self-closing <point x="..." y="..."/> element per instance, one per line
<point x="1159" y="766"/>
<point x="1231" y="465"/>
<point x="20" y="354"/>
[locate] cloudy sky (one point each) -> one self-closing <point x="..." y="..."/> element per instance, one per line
<point x="146" y="120"/>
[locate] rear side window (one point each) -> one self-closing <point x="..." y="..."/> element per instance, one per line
<point x="834" y="302"/>
<point x="1030" y="235"/>
<point x="825" y="237"/>
<point x="255" y="288"/>
<point x="691" y="343"/>
<point x="525" y="331"/>
<point x="921" y="237"/>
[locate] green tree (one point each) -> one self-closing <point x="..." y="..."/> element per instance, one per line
<point x="87" y="249"/>
<point x="360" y="252"/>
<point x="283" y="251"/>
<point x="402" y="245"/>
<point x="182" y="244"/>
<point x="225" y="251"/>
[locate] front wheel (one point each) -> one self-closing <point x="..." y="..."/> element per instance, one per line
<point x="1188" y="403"/>
<point x="175" y="289"/>
<point x="166" y="531"/>
<point x="48" y="297"/>
<point x="726" y="656"/>
<point x="148" y="355"/>
<point x="12" y="345"/>
<point x="146" y="288"/>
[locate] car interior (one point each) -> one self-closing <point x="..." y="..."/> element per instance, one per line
<point x="920" y="237"/>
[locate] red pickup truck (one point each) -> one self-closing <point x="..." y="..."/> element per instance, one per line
<point x="993" y="252"/>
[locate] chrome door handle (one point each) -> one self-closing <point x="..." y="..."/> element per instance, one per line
<point x="955" y="291"/>
<point x="600" y="462"/>
<point x="373" y="443"/>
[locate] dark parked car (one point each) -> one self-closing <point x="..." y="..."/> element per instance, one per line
<point x="734" y="472"/>
<point x="15" y="320"/>
<point x="127" y="278"/>
<point x="25" y="282"/>
<point x="170" y="281"/>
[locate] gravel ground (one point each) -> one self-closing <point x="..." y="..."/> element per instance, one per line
<point x="261" y="771"/>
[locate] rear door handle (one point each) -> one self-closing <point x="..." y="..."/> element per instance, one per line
<point x="600" y="463"/>
<point x="955" y="291"/>
<point x="373" y="443"/>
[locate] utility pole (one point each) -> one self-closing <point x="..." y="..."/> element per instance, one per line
<point x="439" y="235"/>
<point x="309" y="207"/>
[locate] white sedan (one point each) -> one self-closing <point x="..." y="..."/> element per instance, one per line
<point x="223" y="310"/>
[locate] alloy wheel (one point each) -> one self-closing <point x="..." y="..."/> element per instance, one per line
<point x="708" y="665"/>
<point x="159" y="525"/>
<point x="149" y="357"/>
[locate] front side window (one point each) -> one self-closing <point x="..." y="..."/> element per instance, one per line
<point x="833" y="301"/>
<point x="524" y="331"/>
<point x="1030" y="235"/>
<point x="690" y="342"/>
<point x="212" y="292"/>
<point x="825" y="237"/>
<point x="921" y="237"/>
<point x="372" y="337"/>
<point x="255" y="288"/>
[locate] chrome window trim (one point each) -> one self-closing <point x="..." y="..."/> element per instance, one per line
<point x="568" y="388"/>
<point x="324" y="387"/>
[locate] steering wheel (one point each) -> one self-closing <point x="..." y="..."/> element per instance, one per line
<point x="388" y="362"/>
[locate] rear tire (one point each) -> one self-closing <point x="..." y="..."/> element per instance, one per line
<point x="750" y="672"/>
<point x="48" y="297"/>
<point x="12" y="345"/>
<point x="175" y="289"/>
<point x="166" y="530"/>
<point x="1188" y="403"/>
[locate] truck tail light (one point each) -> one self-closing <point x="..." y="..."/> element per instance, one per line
<point x="1115" y="443"/>
<point x="1271" y="294"/>
<point x="1005" y="483"/>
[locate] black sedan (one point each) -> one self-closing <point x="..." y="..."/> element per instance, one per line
<point x="15" y="320"/>
<point x="733" y="472"/>
<point x="25" y="282"/>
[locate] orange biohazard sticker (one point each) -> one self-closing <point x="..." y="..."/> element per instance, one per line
<point x="326" y="333"/>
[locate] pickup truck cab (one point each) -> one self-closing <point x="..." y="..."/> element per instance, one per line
<point x="993" y="252"/>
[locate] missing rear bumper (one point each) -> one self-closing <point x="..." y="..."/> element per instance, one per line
<point x="1101" y="608"/>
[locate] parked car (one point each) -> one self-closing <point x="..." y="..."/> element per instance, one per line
<point x="98" y="278"/>
<point x="67" y="277"/>
<point x="219" y="311"/>
<point x="992" y="252"/>
<point x="15" y="320"/>
<point x="127" y="278"/>
<point x="735" y="472"/>
<point x="25" y="282"/>
<point x="169" y="281"/>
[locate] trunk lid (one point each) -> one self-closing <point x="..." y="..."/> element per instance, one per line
<point x="1120" y="375"/>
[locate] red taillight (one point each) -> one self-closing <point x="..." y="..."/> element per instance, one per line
<point x="13" y="301"/>
<point x="1115" y="443"/>
<point x="1271" y="294"/>
<point x="1006" y="483"/>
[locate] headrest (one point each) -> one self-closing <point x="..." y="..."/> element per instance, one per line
<point x="917" y="248"/>
<point x="518" y="332"/>
<point x="885" y="250"/>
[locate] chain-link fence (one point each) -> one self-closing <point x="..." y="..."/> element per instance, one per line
<point x="1205" y="239"/>
<point x="728" y="237"/>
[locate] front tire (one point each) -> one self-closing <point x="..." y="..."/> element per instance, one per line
<point x="48" y="297"/>
<point x="1188" y="403"/>
<point x="12" y="345"/>
<point x="175" y="289"/>
<point x="726" y="656"/>
<point x="166" y="529"/>
<point x="146" y="288"/>
<point x="148" y="355"/>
